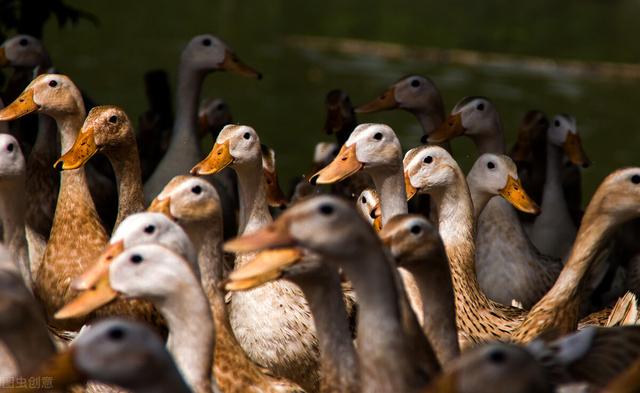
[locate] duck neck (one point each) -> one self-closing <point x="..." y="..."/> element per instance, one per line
<point x="126" y="166"/>
<point x="479" y="197"/>
<point x="339" y="368"/>
<point x="46" y="146"/>
<point x="12" y="210"/>
<point x="429" y="121"/>
<point x="191" y="333"/>
<point x="254" y="212"/>
<point x="490" y="142"/>
<point x="183" y="138"/>
<point x="553" y="181"/>
<point x="384" y="350"/>
<point x="390" y="186"/>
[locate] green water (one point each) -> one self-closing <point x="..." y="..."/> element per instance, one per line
<point x="286" y="108"/>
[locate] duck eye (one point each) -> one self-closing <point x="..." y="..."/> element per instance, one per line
<point x="23" y="42"/>
<point x="428" y="160"/>
<point x="10" y="147"/>
<point x="196" y="190"/>
<point x="556" y="123"/>
<point x="136" y="258"/>
<point x="113" y="119"/>
<point x="53" y="83"/>
<point x="491" y="165"/>
<point x="378" y="136"/>
<point x="326" y="210"/>
<point x="416" y="229"/>
<point x="364" y="200"/>
<point x="497" y="356"/>
<point x="149" y="229"/>
<point x="480" y="107"/>
<point x="415" y="83"/>
<point x="246" y="135"/>
<point x="116" y="333"/>
<point x="206" y="42"/>
<point x="635" y="179"/>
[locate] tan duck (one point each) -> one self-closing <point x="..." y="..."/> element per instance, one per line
<point x="340" y="115"/>
<point x="320" y="282"/>
<point x="275" y="196"/>
<point x="417" y="248"/>
<point x="501" y="238"/>
<point x="553" y="231"/>
<point x="107" y="129"/>
<point x="367" y="205"/>
<point x="202" y="55"/>
<point x="433" y="170"/>
<point x="256" y="316"/>
<point x="92" y="355"/>
<point x="390" y="360"/>
<point x="194" y="203"/>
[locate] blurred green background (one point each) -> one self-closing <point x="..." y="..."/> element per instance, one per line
<point x="286" y="107"/>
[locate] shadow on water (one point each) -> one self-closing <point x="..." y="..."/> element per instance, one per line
<point x="286" y="108"/>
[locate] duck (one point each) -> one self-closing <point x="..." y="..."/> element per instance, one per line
<point x="340" y="115"/>
<point x="333" y="229"/>
<point x="366" y="204"/>
<point x="213" y="115"/>
<point x="107" y="129"/>
<point x="553" y="231"/>
<point x="275" y="196"/>
<point x="262" y="329"/>
<point x="431" y="169"/>
<point x="494" y="367"/>
<point x="203" y="54"/>
<point x="415" y="245"/>
<point x="194" y="204"/>
<point x="92" y="355"/>
<point x="376" y="150"/>
<point x="501" y="237"/>
<point x="23" y="53"/>
<point x="321" y="285"/>
<point x="415" y="94"/>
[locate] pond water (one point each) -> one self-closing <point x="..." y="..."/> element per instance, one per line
<point x="286" y="107"/>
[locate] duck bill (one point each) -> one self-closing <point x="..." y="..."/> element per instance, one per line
<point x="219" y="158"/>
<point x="89" y="300"/>
<point x="377" y="223"/>
<point x="343" y="166"/>
<point x="451" y="128"/>
<point x="275" y="196"/>
<point x="515" y="194"/>
<point x="162" y="206"/>
<point x="233" y="64"/>
<point x="60" y="370"/>
<point x="385" y="102"/>
<point x="3" y="57"/>
<point x="573" y="149"/>
<point x="82" y="150"/>
<point x="23" y="105"/>
<point x="408" y="187"/>
<point x="100" y="269"/>
<point x="275" y="235"/>
<point x="268" y="265"/>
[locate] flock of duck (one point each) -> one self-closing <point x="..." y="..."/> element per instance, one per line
<point x="383" y="271"/>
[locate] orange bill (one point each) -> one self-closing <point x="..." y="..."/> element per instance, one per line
<point x="409" y="188"/>
<point x="267" y="266"/>
<point x="23" y="105"/>
<point x="343" y="166"/>
<point x="451" y="128"/>
<point x="162" y="206"/>
<point x="92" y="276"/>
<point x="82" y="150"/>
<point x="273" y="235"/>
<point x="515" y="194"/>
<point x="219" y="158"/>
<point x="58" y="373"/>
<point x="3" y="57"/>
<point x="573" y="149"/>
<point x="89" y="300"/>
<point x="233" y="64"/>
<point x="385" y="102"/>
<point x="377" y="223"/>
<point x="275" y="196"/>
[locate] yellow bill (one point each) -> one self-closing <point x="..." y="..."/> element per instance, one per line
<point x="386" y="101"/>
<point x="573" y="149"/>
<point x="267" y="266"/>
<point x="515" y="194"/>
<point x="82" y="150"/>
<point x="21" y="106"/>
<point x="233" y="64"/>
<point x="92" y="276"/>
<point x="451" y="128"/>
<point x="89" y="300"/>
<point x="219" y="158"/>
<point x="343" y="166"/>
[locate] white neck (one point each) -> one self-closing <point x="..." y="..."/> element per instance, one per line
<point x="183" y="138"/>
<point x="254" y="211"/>
<point x="12" y="211"/>
<point x="390" y="186"/>
<point x="479" y="197"/>
<point x="492" y="142"/>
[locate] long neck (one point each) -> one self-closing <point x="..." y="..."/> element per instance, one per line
<point x="191" y="334"/>
<point x="490" y="142"/>
<point x="339" y="367"/>
<point x="479" y="197"/>
<point x="254" y="212"/>
<point x="12" y="211"/>
<point x="188" y="95"/>
<point x="429" y="121"/>
<point x="390" y="186"/>
<point x="553" y="193"/>
<point x="126" y="165"/>
<point x="385" y="353"/>
<point x="433" y="278"/>
<point x="46" y="145"/>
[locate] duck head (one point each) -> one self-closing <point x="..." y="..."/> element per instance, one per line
<point x="474" y="117"/>
<point x="212" y="117"/>
<point x="411" y="238"/>
<point x="23" y="51"/>
<point x="413" y="93"/>
<point x="563" y="133"/>
<point x="428" y="169"/>
<point x="206" y="53"/>
<point x="236" y="146"/>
